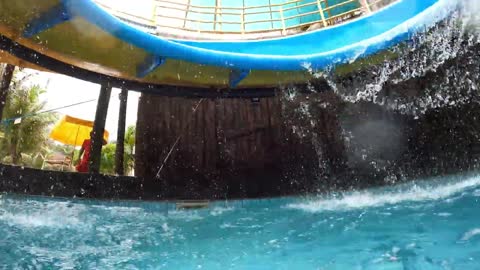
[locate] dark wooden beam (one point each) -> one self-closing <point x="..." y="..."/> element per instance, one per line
<point x="5" y="86"/>
<point x="120" y="150"/>
<point x="99" y="128"/>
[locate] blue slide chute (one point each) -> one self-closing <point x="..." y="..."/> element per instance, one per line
<point x="316" y="49"/>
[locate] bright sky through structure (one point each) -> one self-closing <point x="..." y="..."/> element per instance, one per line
<point x="142" y="8"/>
<point x="63" y="91"/>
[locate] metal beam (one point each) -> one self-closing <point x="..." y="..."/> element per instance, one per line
<point x="54" y="16"/>
<point x="5" y="86"/>
<point x="236" y="76"/>
<point x="150" y="63"/>
<point x="120" y="149"/>
<point x="99" y="128"/>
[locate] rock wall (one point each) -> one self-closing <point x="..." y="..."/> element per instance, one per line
<point x="312" y="142"/>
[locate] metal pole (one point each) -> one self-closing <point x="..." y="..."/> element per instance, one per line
<point x="99" y="128"/>
<point x="366" y="5"/>
<point x="74" y="146"/>
<point x="5" y="86"/>
<point x="120" y="149"/>
<point x="320" y="10"/>
<point x="283" y="21"/>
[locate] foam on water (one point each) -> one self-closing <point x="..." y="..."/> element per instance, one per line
<point x="470" y="234"/>
<point x="185" y="215"/>
<point x="218" y="210"/>
<point x="365" y="199"/>
<point x="54" y="215"/>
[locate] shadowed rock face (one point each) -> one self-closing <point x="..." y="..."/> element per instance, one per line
<point x="415" y="115"/>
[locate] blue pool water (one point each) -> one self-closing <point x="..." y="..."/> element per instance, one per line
<point x="428" y="225"/>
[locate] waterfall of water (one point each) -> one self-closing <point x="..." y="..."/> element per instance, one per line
<point x="436" y="69"/>
<point x="427" y="54"/>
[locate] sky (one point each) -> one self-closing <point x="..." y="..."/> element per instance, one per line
<point x="63" y="91"/>
<point x="140" y="8"/>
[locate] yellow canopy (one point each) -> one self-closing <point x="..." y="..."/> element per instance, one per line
<point x="73" y="131"/>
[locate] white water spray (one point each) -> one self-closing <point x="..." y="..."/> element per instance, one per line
<point x="427" y="52"/>
<point x="367" y="199"/>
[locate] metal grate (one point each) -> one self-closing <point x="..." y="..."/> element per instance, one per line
<point x="285" y="18"/>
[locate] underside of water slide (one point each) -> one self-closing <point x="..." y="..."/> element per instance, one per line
<point x="232" y="48"/>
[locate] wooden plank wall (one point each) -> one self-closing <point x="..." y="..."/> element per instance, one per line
<point x="231" y="145"/>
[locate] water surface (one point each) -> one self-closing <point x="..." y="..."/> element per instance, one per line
<point x="428" y="225"/>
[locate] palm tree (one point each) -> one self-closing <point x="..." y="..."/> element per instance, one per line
<point x="25" y="127"/>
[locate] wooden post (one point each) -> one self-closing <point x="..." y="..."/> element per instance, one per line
<point x="99" y="128"/>
<point x="120" y="149"/>
<point x="5" y="86"/>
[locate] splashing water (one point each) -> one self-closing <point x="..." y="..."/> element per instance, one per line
<point x="435" y="73"/>
<point x="363" y="199"/>
<point x="427" y="52"/>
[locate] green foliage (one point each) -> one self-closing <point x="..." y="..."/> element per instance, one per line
<point x="108" y="154"/>
<point x="108" y="159"/>
<point x="24" y="139"/>
<point x="130" y="149"/>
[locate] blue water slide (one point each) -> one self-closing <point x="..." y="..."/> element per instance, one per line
<point x="315" y="49"/>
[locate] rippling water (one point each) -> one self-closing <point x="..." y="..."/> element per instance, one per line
<point x="424" y="225"/>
